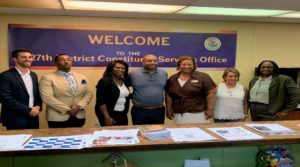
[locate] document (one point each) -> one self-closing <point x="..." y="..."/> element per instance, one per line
<point x="59" y="142"/>
<point x="272" y="129"/>
<point x="235" y="133"/>
<point x="114" y="137"/>
<point x="189" y="134"/>
<point x="13" y="142"/>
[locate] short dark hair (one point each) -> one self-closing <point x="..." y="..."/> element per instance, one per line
<point x="275" y="68"/>
<point x="109" y="68"/>
<point x="185" y="57"/>
<point x="57" y="56"/>
<point x="19" y="50"/>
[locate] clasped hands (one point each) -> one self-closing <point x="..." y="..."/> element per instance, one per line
<point x="74" y="110"/>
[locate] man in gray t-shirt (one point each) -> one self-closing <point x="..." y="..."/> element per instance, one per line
<point x="148" y="85"/>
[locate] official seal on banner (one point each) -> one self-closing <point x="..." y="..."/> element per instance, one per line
<point x="212" y="43"/>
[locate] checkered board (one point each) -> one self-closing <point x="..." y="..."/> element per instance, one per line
<point x="69" y="142"/>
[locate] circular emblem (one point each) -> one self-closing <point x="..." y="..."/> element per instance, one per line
<point x="212" y="43"/>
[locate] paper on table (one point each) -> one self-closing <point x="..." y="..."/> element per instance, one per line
<point x="272" y="129"/>
<point x="13" y="142"/>
<point x="189" y="134"/>
<point x="59" y="142"/>
<point x="112" y="137"/>
<point x="235" y="133"/>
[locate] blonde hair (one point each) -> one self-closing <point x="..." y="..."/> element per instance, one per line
<point x="233" y="70"/>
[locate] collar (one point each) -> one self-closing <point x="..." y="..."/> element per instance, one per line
<point x="19" y="71"/>
<point x="194" y="74"/>
<point x="145" y="71"/>
<point x="268" y="79"/>
<point x="64" y="73"/>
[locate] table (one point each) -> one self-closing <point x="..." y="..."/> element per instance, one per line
<point x="165" y="153"/>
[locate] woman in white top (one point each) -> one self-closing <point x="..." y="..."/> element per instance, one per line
<point x="232" y="99"/>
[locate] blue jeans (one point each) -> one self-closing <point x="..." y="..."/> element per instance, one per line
<point x="141" y="116"/>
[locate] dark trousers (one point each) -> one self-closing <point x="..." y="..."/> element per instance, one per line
<point x="30" y="123"/>
<point x="141" y="116"/>
<point x="226" y="120"/>
<point x="119" y="117"/>
<point x="71" y="122"/>
<point x="259" y="112"/>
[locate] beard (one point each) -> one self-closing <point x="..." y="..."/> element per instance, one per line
<point x="25" y="64"/>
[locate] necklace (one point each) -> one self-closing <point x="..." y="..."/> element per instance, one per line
<point x="229" y="90"/>
<point x="184" y="77"/>
<point x="118" y="82"/>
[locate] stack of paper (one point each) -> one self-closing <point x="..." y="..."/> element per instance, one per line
<point x="272" y="129"/>
<point x="113" y="137"/>
<point x="189" y="134"/>
<point x="154" y="132"/>
<point x="235" y="133"/>
<point x="13" y="142"/>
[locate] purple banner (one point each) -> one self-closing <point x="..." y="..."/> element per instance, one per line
<point x="95" y="48"/>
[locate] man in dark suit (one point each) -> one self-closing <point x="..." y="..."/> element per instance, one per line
<point x="19" y="93"/>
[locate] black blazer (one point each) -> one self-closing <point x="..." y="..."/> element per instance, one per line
<point x="108" y="94"/>
<point x="15" y="100"/>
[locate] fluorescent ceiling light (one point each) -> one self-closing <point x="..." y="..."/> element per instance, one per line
<point x="231" y="11"/>
<point x="120" y="7"/>
<point x="290" y="15"/>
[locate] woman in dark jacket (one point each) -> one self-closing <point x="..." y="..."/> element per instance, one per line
<point x="112" y="97"/>
<point x="272" y="95"/>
